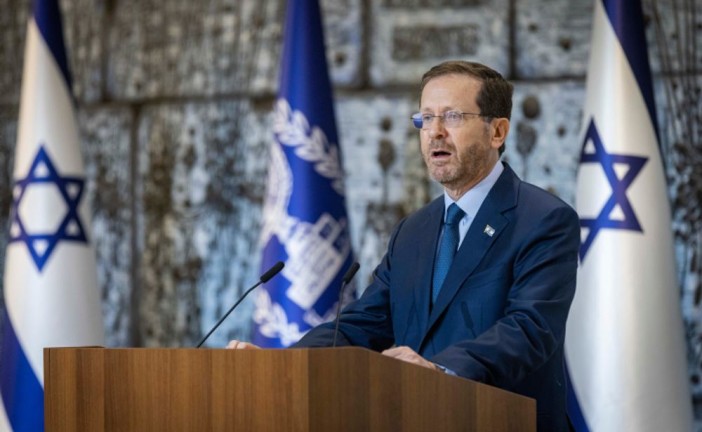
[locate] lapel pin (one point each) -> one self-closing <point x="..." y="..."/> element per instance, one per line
<point x="489" y="230"/>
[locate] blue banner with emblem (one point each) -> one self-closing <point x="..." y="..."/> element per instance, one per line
<point x="304" y="215"/>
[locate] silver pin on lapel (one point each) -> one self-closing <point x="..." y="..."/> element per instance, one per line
<point x="489" y="230"/>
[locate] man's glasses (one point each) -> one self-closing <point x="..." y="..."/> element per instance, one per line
<point x="451" y="119"/>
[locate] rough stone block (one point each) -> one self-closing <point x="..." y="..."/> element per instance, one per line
<point x="84" y="33"/>
<point x="8" y="136"/>
<point x="674" y="36"/>
<point x="407" y="38"/>
<point x="82" y="29"/>
<point x="681" y="138"/>
<point x="13" y="27"/>
<point x="107" y="154"/>
<point x="200" y="183"/>
<point x="552" y="38"/>
<point x="343" y="34"/>
<point x="178" y="49"/>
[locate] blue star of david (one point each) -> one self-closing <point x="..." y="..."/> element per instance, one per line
<point x="619" y="188"/>
<point x="41" y="245"/>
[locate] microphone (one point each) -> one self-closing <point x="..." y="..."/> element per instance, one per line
<point x="350" y="273"/>
<point x="265" y="277"/>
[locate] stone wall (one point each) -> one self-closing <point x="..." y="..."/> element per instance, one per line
<point x="174" y="101"/>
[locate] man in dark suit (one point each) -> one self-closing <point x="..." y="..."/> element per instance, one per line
<point x="479" y="282"/>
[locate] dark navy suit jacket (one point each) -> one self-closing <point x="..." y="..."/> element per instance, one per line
<point x="500" y="316"/>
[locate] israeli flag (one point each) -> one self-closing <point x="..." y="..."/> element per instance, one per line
<point x="304" y="215"/>
<point x="624" y="342"/>
<point x="50" y="282"/>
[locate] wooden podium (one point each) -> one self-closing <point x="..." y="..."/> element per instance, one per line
<point x="323" y="389"/>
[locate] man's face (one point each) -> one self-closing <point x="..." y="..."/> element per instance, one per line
<point x="461" y="156"/>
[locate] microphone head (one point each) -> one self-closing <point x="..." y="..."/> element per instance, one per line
<point x="351" y="272"/>
<point x="277" y="267"/>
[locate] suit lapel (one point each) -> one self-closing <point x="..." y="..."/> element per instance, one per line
<point x="485" y="229"/>
<point x="426" y="246"/>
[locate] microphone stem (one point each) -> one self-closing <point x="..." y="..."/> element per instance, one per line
<point x="338" y="313"/>
<point x="228" y="312"/>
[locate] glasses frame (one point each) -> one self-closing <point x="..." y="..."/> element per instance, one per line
<point x="418" y="119"/>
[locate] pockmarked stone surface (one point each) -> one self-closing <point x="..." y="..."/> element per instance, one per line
<point x="681" y="140"/>
<point x="543" y="146"/>
<point x="181" y="48"/>
<point x="201" y="179"/>
<point x="107" y="155"/>
<point x="84" y="33"/>
<point x="430" y="3"/>
<point x="416" y="44"/>
<point x="8" y="136"/>
<point x="83" y="36"/>
<point x="552" y="38"/>
<point x="13" y="28"/>
<point x="674" y="35"/>
<point x="343" y="34"/>
<point x="407" y="40"/>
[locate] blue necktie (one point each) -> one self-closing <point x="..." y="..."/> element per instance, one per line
<point x="447" y="248"/>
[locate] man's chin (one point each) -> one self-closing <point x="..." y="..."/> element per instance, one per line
<point x="443" y="176"/>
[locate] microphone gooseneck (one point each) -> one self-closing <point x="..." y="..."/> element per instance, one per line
<point x="265" y="277"/>
<point x="350" y="273"/>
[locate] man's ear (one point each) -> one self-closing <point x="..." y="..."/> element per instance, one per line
<point x="500" y="129"/>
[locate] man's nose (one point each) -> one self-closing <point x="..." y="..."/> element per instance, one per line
<point x="436" y="128"/>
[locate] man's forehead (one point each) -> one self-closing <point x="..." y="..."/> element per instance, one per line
<point x="452" y="87"/>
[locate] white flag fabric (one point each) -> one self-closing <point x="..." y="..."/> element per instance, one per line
<point x="50" y="279"/>
<point x="625" y="349"/>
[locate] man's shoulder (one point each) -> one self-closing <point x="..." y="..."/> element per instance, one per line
<point x="529" y="191"/>
<point x="534" y="204"/>
<point x="511" y="192"/>
<point x="433" y="207"/>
